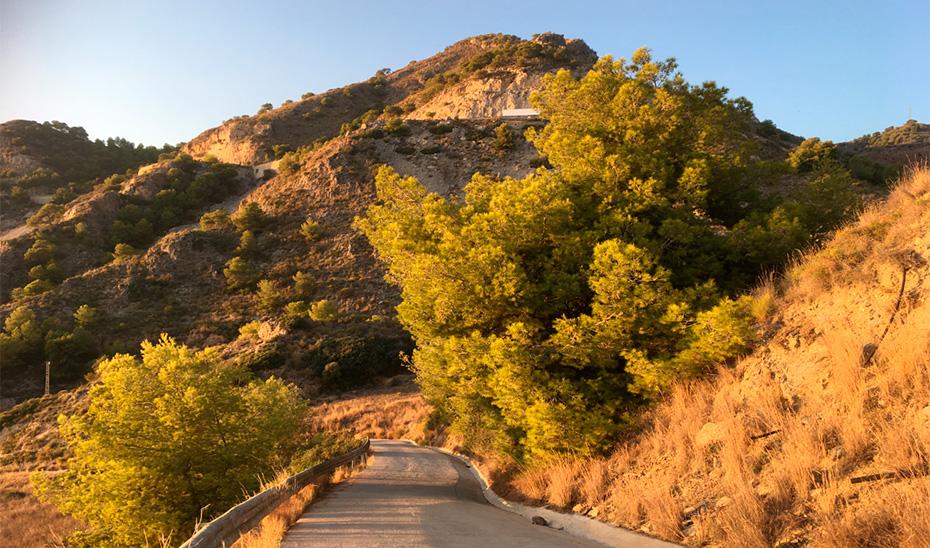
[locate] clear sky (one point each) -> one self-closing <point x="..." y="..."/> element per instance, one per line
<point x="162" y="71"/>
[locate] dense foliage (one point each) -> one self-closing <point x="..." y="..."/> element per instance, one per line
<point x="165" y="436"/>
<point x="546" y="309"/>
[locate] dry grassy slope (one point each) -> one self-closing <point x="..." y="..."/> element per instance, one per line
<point x="812" y="438"/>
<point x="480" y="94"/>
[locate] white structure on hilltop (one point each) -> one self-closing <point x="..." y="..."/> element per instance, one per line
<point x="520" y="113"/>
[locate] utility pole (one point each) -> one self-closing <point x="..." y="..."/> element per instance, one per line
<point x="48" y="366"/>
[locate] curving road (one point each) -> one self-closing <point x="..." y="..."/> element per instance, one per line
<point x="415" y="496"/>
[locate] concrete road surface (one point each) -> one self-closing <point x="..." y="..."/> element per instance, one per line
<point x="415" y="496"/>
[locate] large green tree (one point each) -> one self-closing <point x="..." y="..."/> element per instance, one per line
<point x="546" y="309"/>
<point x="166" y="437"/>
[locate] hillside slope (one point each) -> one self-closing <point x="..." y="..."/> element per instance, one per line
<point x="821" y="436"/>
<point x="174" y="280"/>
<point x="54" y="162"/>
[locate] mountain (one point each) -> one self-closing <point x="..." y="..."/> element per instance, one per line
<point x="310" y="160"/>
<point x="434" y="119"/>
<point x="243" y="239"/>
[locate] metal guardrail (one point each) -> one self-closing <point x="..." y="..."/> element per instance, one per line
<point x="238" y="520"/>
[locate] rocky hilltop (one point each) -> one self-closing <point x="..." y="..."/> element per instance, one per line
<point x="473" y="79"/>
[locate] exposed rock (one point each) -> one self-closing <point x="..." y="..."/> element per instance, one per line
<point x="539" y="520"/>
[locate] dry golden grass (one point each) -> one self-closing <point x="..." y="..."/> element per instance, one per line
<point x="840" y="390"/>
<point x="397" y="412"/>
<point x="274" y="526"/>
<point x="26" y="522"/>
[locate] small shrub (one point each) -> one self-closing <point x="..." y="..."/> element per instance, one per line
<point x="304" y="284"/>
<point x="265" y="108"/>
<point x="406" y="150"/>
<point x="123" y="252"/>
<point x="310" y="229"/>
<point x="250" y="217"/>
<point x="296" y="309"/>
<point x="503" y="137"/>
<point x="397" y="127"/>
<point x="280" y="150"/>
<point x="269" y="296"/>
<point x="41" y="251"/>
<point x="86" y="317"/>
<point x="46" y="215"/>
<point x="323" y="311"/>
<point x="218" y="219"/>
<point x="250" y="330"/>
<point x="31" y="289"/>
<point x="440" y="129"/>
<point x="239" y="273"/>
<point x="432" y="149"/>
<point x="248" y="245"/>
<point x="811" y="153"/>
<point x="267" y="356"/>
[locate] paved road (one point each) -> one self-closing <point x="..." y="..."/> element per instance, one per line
<point x="415" y="496"/>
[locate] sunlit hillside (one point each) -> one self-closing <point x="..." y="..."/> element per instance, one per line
<point x="820" y="436"/>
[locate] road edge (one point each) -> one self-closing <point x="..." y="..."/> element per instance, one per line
<point x="574" y="524"/>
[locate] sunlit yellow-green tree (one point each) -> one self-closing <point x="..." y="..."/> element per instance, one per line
<point x="545" y="310"/>
<point x="165" y="438"/>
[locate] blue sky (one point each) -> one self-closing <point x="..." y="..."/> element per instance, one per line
<point x="162" y="71"/>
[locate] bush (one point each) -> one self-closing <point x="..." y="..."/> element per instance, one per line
<point x="250" y="217"/>
<point x="239" y="273"/>
<point x="218" y="219"/>
<point x="811" y="153"/>
<point x="266" y="107"/>
<point x="323" y="311"/>
<point x="346" y="362"/>
<point x="503" y="137"/>
<point x="41" y="251"/>
<point x="440" y="129"/>
<point x="871" y="171"/>
<point x="290" y="163"/>
<point x="69" y="353"/>
<point x="50" y="271"/>
<point x="280" y="150"/>
<point x="296" y="309"/>
<point x="123" y="252"/>
<point x="46" y="215"/>
<point x="248" y="246"/>
<point x="269" y="296"/>
<point x="22" y="339"/>
<point x="310" y="229"/>
<point x="304" y="284"/>
<point x="397" y="127"/>
<point x="828" y="198"/>
<point x="250" y="330"/>
<point x="267" y="356"/>
<point x="166" y="436"/>
<point x="35" y="287"/>
<point x="86" y="317"/>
